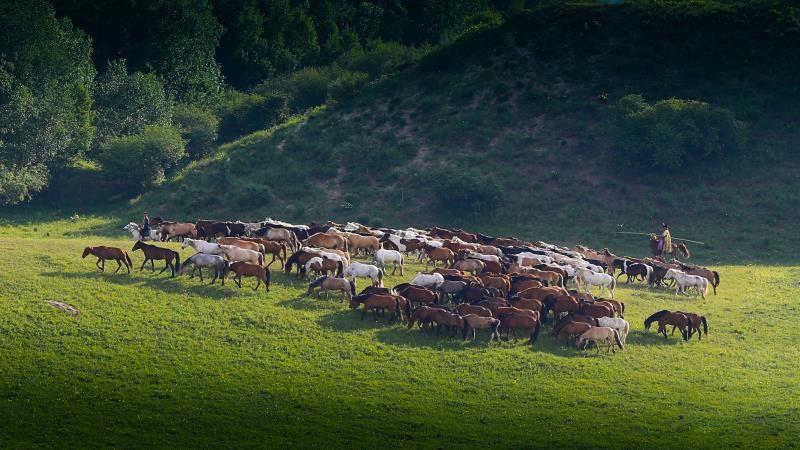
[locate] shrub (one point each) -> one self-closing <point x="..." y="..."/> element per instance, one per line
<point x="347" y="85"/>
<point x="379" y="58"/>
<point x="241" y="114"/>
<point x="198" y="128"/>
<point x="673" y="134"/>
<point x="137" y="162"/>
<point x="464" y="191"/>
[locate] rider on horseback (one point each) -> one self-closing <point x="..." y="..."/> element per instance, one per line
<point x="145" y="233"/>
<point x="665" y="242"/>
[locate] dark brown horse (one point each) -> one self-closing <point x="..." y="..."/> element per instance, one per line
<point x="695" y="321"/>
<point x="419" y="294"/>
<point x="152" y="253"/>
<point x="113" y="253"/>
<point x="525" y="322"/>
<point x="679" y="248"/>
<point x="241" y="268"/>
<point x="666" y="317"/>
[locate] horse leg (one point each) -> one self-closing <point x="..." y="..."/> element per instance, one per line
<point x="273" y="260"/>
<point x="143" y="263"/>
<point x="153" y="265"/>
<point x="166" y="266"/>
<point x="238" y="280"/>
<point x="201" y="274"/>
<point x="119" y="266"/>
<point x="258" y="283"/>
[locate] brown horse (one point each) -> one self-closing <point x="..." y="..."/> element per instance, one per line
<point x="330" y="241"/>
<point x="474" y="266"/>
<point x="439" y="254"/>
<point x="499" y="282"/>
<point x="423" y="315"/>
<point x="327" y="284"/>
<point x="466" y="308"/>
<point x="448" y="320"/>
<point x="574" y="317"/>
<point x="560" y="304"/>
<point x="695" y="321"/>
<point x="375" y="302"/>
<point x="241" y="268"/>
<point x="666" y="317"/>
<point x="419" y="294"/>
<point x="152" y="253"/>
<point x="113" y="253"/>
<point x="274" y="248"/>
<point x="525" y="322"/>
<point x="572" y="330"/>
<point x="679" y="248"/>
<point x="711" y="275"/>
<point x="171" y="230"/>
<point x="241" y="243"/>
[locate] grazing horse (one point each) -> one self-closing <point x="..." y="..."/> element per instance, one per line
<point x="241" y="268"/>
<point x="171" y="230"/>
<point x="234" y="254"/>
<point x="439" y="254"/>
<point x="213" y="262"/>
<point x="321" y="266"/>
<point x="357" y="242"/>
<point x="357" y="269"/>
<point x="474" y="266"/>
<point x="621" y="325"/>
<point x="448" y="320"/>
<point x="327" y="284"/>
<point x="201" y="246"/>
<point x="601" y="334"/>
<point x="418" y="294"/>
<point x="103" y="253"/>
<point x="694" y="324"/>
<point x="573" y="317"/>
<point x="375" y="302"/>
<point x="635" y="270"/>
<point x="428" y="279"/>
<point x="666" y="317"/>
<point x="152" y="253"/>
<point x="473" y="322"/>
<point x="450" y="288"/>
<point x="276" y="249"/>
<point x="300" y="258"/>
<point x="330" y="241"/>
<point x="711" y="275"/>
<point x="280" y="234"/>
<point x="684" y="281"/>
<point x="382" y="257"/>
<point x="515" y="321"/>
<point x="590" y="278"/>
<point x="236" y="242"/>
<point x="572" y="330"/>
<point x="422" y="315"/>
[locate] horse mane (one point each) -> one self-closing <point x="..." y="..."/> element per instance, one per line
<point x="655" y="317"/>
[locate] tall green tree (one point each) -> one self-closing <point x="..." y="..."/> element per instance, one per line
<point x="45" y="96"/>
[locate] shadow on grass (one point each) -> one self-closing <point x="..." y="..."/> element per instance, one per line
<point x="161" y="282"/>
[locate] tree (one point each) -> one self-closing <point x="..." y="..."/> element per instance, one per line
<point x="127" y="102"/>
<point x="45" y="96"/>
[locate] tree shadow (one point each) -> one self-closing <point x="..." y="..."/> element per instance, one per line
<point x="303" y="303"/>
<point x="163" y="282"/>
<point x="650" y="338"/>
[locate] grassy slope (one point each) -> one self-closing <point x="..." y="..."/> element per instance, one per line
<point x="525" y="106"/>
<point x="164" y="362"/>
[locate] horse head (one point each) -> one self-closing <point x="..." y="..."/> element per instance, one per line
<point x="136" y="246"/>
<point x="86" y="252"/>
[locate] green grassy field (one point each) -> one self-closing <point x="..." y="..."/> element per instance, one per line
<point x="154" y="361"/>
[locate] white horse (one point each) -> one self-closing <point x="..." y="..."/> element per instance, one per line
<point x="483" y="257"/>
<point x="362" y="270"/>
<point x="683" y="281"/>
<point x="589" y="279"/>
<point x="383" y="257"/>
<point x="233" y="254"/>
<point x="427" y="280"/>
<point x="217" y="266"/>
<point x="621" y="325"/>
<point x="136" y="233"/>
<point x="202" y="246"/>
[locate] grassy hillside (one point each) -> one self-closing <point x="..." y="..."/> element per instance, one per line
<point x="507" y="131"/>
<point x="171" y="362"/>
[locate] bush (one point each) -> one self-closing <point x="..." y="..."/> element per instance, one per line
<point x="673" y="134"/>
<point x="137" y="162"/>
<point x="348" y="84"/>
<point x="379" y="58"/>
<point x="464" y="191"/>
<point x="308" y="88"/>
<point x="198" y="128"/>
<point x="125" y="102"/>
<point x="241" y="114"/>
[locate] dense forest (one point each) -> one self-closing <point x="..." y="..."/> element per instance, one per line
<point x="161" y="82"/>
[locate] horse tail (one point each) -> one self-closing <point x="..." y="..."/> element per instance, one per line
<point x="177" y="259"/>
<point x="128" y="259"/>
<point x="685" y="250"/>
<point x="260" y="259"/>
<point x="408" y="309"/>
<point x="465" y="330"/>
<point x="283" y="249"/>
<point x="705" y="324"/>
<point x="654" y="317"/>
<point x="616" y="338"/>
<point x="715" y="283"/>
<point x="613" y="284"/>
<point x="380" y="276"/>
<point x="266" y="275"/>
<point x="340" y="269"/>
<point x="352" y="288"/>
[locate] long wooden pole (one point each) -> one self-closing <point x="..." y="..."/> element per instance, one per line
<point x="648" y="234"/>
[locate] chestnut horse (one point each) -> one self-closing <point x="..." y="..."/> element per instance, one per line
<point x="152" y="253"/>
<point x="666" y="317"/>
<point x="113" y="253"/>
<point x="241" y="268"/>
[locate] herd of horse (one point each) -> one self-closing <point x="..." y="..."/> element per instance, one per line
<point x="476" y="282"/>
